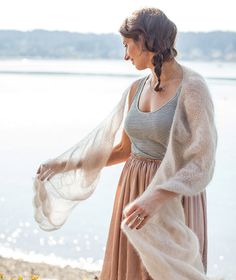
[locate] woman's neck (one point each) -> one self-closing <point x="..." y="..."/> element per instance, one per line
<point x="170" y="70"/>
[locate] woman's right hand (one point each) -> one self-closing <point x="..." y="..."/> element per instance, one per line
<point x="50" y="168"/>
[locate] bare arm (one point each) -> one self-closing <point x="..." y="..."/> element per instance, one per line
<point x="121" y="151"/>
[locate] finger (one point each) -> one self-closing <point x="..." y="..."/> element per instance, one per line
<point x="129" y="210"/>
<point x="131" y="218"/>
<point x="142" y="223"/>
<point x="134" y="223"/>
<point x="40" y="168"/>
<point x="44" y="174"/>
<point x="50" y="175"/>
<point x="137" y="222"/>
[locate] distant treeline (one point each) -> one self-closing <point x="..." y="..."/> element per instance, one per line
<point x="218" y="45"/>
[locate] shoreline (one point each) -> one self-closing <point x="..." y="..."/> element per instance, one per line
<point x="13" y="268"/>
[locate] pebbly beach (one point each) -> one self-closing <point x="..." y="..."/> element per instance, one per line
<point x="12" y="269"/>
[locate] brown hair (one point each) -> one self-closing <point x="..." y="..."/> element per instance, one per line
<point x="158" y="32"/>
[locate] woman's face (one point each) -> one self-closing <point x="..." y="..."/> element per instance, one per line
<point x="134" y="52"/>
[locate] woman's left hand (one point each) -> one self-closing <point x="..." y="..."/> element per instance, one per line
<point x="139" y="211"/>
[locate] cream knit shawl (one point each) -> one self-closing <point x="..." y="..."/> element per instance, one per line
<point x="168" y="248"/>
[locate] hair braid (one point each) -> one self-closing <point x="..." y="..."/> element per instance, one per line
<point x="157" y="61"/>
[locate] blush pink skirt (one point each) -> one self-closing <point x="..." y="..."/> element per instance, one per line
<point x="121" y="261"/>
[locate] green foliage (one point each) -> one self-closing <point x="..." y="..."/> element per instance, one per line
<point x="42" y="44"/>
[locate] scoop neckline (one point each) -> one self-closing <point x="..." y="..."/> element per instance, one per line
<point x="150" y="112"/>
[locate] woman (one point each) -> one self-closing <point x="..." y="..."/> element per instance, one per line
<point x="168" y="145"/>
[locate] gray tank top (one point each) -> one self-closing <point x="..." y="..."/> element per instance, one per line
<point x="149" y="131"/>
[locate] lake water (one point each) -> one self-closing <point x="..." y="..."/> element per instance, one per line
<point x="45" y="108"/>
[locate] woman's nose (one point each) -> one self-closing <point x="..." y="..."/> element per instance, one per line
<point x="126" y="57"/>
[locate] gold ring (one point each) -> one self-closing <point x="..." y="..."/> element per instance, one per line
<point x="138" y="217"/>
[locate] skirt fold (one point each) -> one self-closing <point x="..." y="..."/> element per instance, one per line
<point x="121" y="261"/>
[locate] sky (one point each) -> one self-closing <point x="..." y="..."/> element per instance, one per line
<point x="105" y="16"/>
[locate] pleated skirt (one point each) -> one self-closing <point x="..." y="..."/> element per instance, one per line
<point x="121" y="262"/>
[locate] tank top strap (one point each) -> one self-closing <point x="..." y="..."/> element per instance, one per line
<point x="139" y="89"/>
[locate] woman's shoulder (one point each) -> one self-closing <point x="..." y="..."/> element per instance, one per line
<point x="135" y="84"/>
<point x="192" y="79"/>
<point x="134" y="88"/>
<point x="194" y="89"/>
<point x="194" y="84"/>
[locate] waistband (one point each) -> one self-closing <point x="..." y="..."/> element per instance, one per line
<point x="138" y="157"/>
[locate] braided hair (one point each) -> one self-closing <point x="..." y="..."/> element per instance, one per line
<point x="158" y="34"/>
<point x="157" y="61"/>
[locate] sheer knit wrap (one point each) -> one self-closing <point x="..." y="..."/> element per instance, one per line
<point x="167" y="247"/>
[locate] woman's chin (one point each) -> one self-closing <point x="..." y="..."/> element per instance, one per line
<point x="139" y="67"/>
